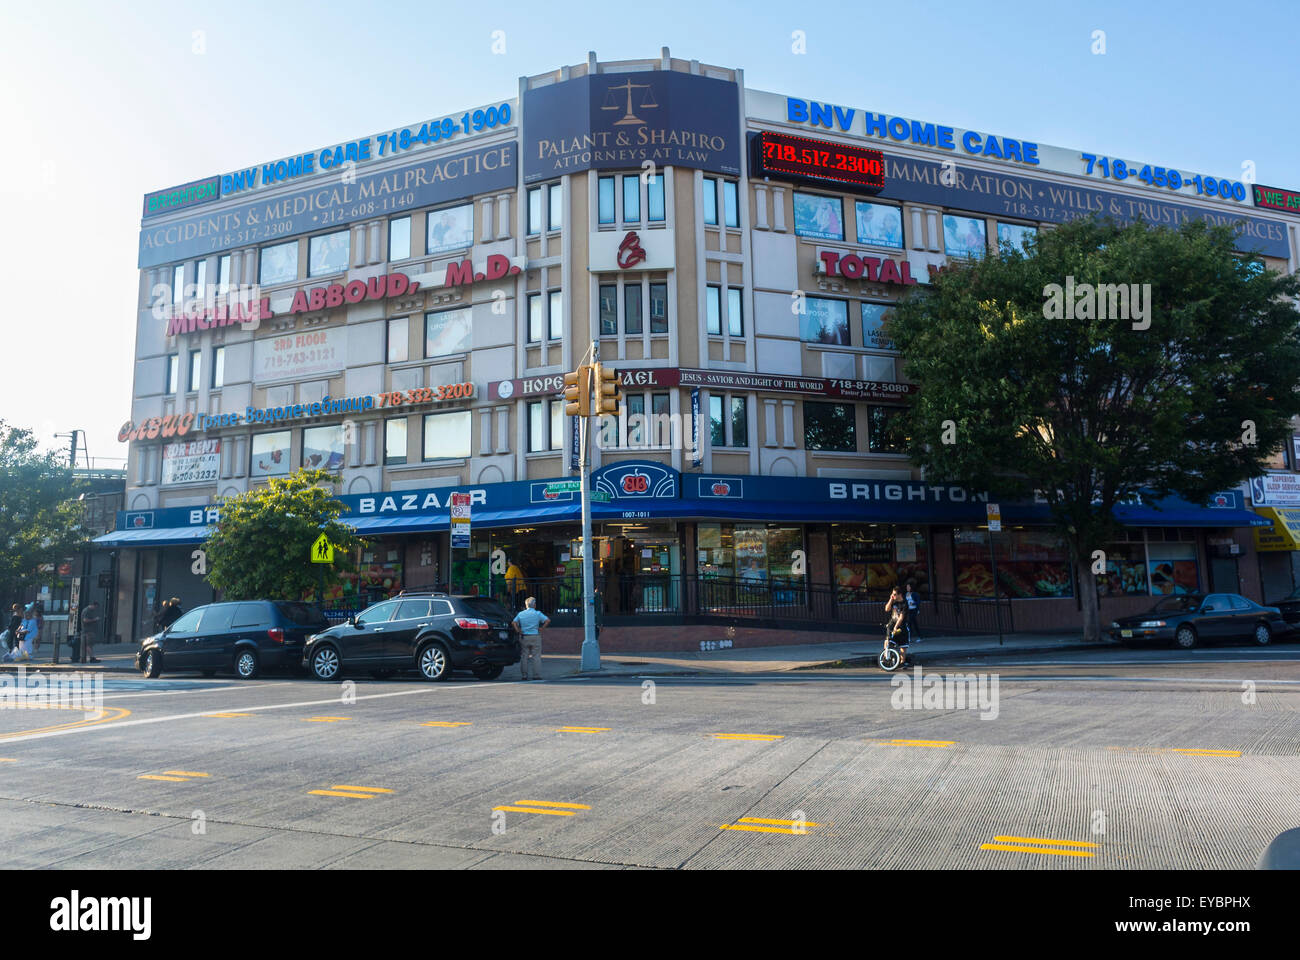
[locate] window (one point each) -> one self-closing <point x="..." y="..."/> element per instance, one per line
<point x="447" y="435"/>
<point x="738" y="425"/>
<point x="1016" y="236"/>
<point x="556" y="315"/>
<point x="328" y="254"/>
<point x="188" y="623"/>
<point x="534" y="317"/>
<point x="395" y="441"/>
<point x="557" y="424"/>
<point x="631" y="198"/>
<point x="447" y="332"/>
<point x="711" y="201"/>
<point x="201" y="279"/>
<point x="824" y="321"/>
<point x="1031" y="563"/>
<point x="322" y="447"/>
<point x="178" y="284"/>
<point x="450" y="229"/>
<point x="717" y="427"/>
<point x="608" y="310"/>
<point x="713" y="310"/>
<point x="534" y="210"/>
<point x="874" y="318"/>
<point x="829" y="426"/>
<point x="884" y="430"/>
<point x="654" y="200"/>
<point x="399" y="238"/>
<point x="820" y="218"/>
<point x="735" y="319"/>
<point x="731" y="203"/>
<point x="963" y="237"/>
<point x="380" y="613"/>
<point x="605" y="196"/>
<point x="218" y="367"/>
<point x="542" y="432"/>
<point x="661" y="424"/>
<point x="196" y="365"/>
<point x="223" y="274"/>
<point x="270" y="454"/>
<point x="555" y="211"/>
<point x="636" y="432"/>
<point x="399" y="333"/>
<point x="877" y="557"/>
<point x="632" y="309"/>
<point x="739" y="422"/>
<point x="279" y="264"/>
<point x="173" y="372"/>
<point x="879" y="224"/>
<point x="658" y="308"/>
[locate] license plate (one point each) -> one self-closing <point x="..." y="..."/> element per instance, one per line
<point x="505" y="634"/>
<point x="1126" y="633"/>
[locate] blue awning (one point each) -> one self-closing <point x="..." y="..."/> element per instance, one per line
<point x="153" y="537"/>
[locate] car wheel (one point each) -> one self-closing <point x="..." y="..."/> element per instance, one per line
<point x="433" y="662"/>
<point x="1185" y="637"/>
<point x="1263" y="634"/>
<point x="325" y="663"/>
<point x="152" y="665"/>
<point x="488" y="673"/>
<point x="246" y="664"/>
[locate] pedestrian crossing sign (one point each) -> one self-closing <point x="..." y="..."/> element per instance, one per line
<point x="322" y="551"/>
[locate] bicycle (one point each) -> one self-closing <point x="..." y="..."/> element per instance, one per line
<point x="891" y="657"/>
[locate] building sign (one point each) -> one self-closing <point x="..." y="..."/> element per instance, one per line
<point x="383" y="287"/>
<point x="175" y="198"/>
<point x="422" y="183"/>
<point x="194" y="461"/>
<point x="636" y="480"/>
<point x="650" y="377"/>
<point x="1275" y="198"/>
<point x="195" y="315"/>
<point x="837" y="165"/>
<point x="1276" y="490"/>
<point x="851" y="266"/>
<point x="616" y="121"/>
<point x="608" y="251"/>
<point x="496" y="267"/>
<point x="298" y="356"/>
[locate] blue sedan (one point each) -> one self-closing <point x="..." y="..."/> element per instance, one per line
<point x="1193" y="618"/>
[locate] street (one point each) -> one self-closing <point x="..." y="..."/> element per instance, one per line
<point x="1074" y="759"/>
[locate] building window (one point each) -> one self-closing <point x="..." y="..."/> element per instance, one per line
<point x="632" y="309"/>
<point x="711" y="201"/>
<point x="829" y="426"/>
<point x="450" y="229"/>
<point x="555" y="315"/>
<point x="713" y="310"/>
<point x="178" y="284"/>
<point x="731" y="202"/>
<point x="964" y="237"/>
<point x="654" y="199"/>
<point x="322" y="447"/>
<point x="605" y="192"/>
<point x="818" y="218"/>
<point x="447" y="332"/>
<point x="1016" y="236"/>
<point x="636" y="432"/>
<point x="395" y="442"/>
<point x="328" y="254"/>
<point x="884" y="430"/>
<point x="732" y="429"/>
<point x="557" y="424"/>
<point x="399" y="238"/>
<point x="201" y="279"/>
<point x="658" y="308"/>
<point x="739" y="422"/>
<point x="223" y="274"/>
<point x="608" y="310"/>
<point x="270" y="454"/>
<point x="1031" y="563"/>
<point x="555" y="207"/>
<point x="717" y="426"/>
<point x="218" y="367"/>
<point x="824" y="321"/>
<point x="545" y="425"/>
<point x="879" y="224"/>
<point x="870" y="559"/>
<point x="534" y="317"/>
<point x="447" y="435"/>
<point x="279" y="264"/>
<point x="534" y="210"/>
<point x="173" y="372"/>
<point x="196" y="366"/>
<point x="631" y="198"/>
<point x="875" y="317"/>
<point x="735" y="319"/>
<point x="399" y="334"/>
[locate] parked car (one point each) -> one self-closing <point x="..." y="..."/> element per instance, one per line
<point x="1290" y="608"/>
<point x="432" y="633"/>
<point x="244" y="637"/>
<point x="1188" y="619"/>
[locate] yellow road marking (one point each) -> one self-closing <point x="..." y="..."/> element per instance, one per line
<point x="784" y="823"/>
<point x="155" y="776"/>
<point x="924" y="743"/>
<point x="352" y="786"/>
<point x="756" y="829"/>
<point x="549" y="813"/>
<point x="1185" y="751"/>
<point x="446" y="723"/>
<point x="748" y="736"/>
<point x="583" y="730"/>
<point x="1063" y="843"/>
<point x="230" y="714"/>
<point x="552" y="803"/>
<point x="340" y="793"/>
<point x="186" y="773"/>
<point x="1023" y="849"/>
<point x="324" y="719"/>
<point x="8" y="760"/>
<point x="117" y="714"/>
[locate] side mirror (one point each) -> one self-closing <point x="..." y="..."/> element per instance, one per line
<point x="352" y="621"/>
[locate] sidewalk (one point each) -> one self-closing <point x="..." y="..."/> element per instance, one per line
<point x="112" y="656"/>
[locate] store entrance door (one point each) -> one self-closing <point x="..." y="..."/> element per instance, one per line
<point x="1223" y="575"/>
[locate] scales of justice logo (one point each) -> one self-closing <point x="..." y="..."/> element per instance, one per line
<point x="645" y="101"/>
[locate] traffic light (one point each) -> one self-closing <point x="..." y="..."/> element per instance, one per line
<point x="577" y="392"/>
<point x="606" y="398"/>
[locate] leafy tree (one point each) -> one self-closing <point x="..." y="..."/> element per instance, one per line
<point x="1098" y="410"/>
<point x="39" y="514"/>
<point x="261" y="546"/>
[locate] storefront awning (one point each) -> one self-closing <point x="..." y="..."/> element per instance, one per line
<point x="153" y="537"/>
<point x="1283" y="533"/>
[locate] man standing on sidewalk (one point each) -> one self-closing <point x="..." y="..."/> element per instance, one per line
<point x="89" y="632"/>
<point x="529" y="622"/>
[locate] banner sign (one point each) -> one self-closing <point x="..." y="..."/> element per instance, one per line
<point x="1276" y="490"/>
<point x="616" y="121"/>
<point x="1275" y="198"/>
<point x="696" y="452"/>
<point x="428" y="181"/>
<point x="194" y="461"/>
<point x="575" y="442"/>
<point x="300" y="355"/>
<point x="650" y="377"/>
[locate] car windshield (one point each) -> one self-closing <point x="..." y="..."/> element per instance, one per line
<point x="1179" y="604"/>
<point x="301" y="614"/>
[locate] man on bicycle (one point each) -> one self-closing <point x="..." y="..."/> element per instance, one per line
<point x="896" y="624"/>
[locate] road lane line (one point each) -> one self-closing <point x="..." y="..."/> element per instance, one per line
<point x="229" y="715"/>
<point x="922" y="743"/>
<point x="780" y="823"/>
<point x="1064" y="843"/>
<point x="553" y="803"/>
<point x="446" y="723"/>
<point x="751" y="828"/>
<point x="353" y="786"/>
<point x="762" y="737"/>
<point x="583" y="730"/>
<point x="1024" y="849"/>
<point x="210" y="689"/>
<point x="186" y="773"/>
<point x="58" y="728"/>
<point x="340" y="793"/>
<point x="549" y="813"/>
<point x="157" y="776"/>
<point x="324" y="719"/>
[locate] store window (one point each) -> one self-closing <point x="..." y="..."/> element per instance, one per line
<point x="1016" y="236"/>
<point x="322" y="447"/>
<point x="964" y="237"/>
<point x="399" y="238"/>
<point x="328" y="254"/>
<point x="1031" y="564"/>
<point x="829" y="426"/>
<point x="750" y="563"/>
<point x="399" y="333"/>
<point x="395" y="441"/>
<point x="270" y="454"/>
<point x="447" y="332"/>
<point x="1158" y="561"/>
<point x="279" y="264"/>
<point x="879" y="224"/>
<point x="218" y="367"/>
<point x="447" y="435"/>
<point x="874" y="318"/>
<point x="885" y="430"/>
<point x="870" y="559"/>
<point x="1126" y="571"/>
<point x="1173" y="568"/>
<point x="824" y="321"/>
<point x="451" y="228"/>
<point x="817" y="217"/>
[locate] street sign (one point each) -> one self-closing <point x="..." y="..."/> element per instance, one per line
<point x="564" y="486"/>
<point x="995" y="518"/>
<point x="322" y="551"/>
<point x="600" y="496"/>
<point x="460" y="521"/>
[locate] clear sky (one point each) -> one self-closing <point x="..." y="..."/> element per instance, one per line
<point x="102" y="102"/>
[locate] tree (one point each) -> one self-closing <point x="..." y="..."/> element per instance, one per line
<point x="39" y="514"/>
<point x="1033" y="377"/>
<point x="262" y="542"/>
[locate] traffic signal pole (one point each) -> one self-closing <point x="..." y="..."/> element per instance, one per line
<point x="590" y="645"/>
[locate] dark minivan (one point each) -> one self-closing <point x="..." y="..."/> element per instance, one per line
<point x="433" y="633"/>
<point x="243" y="637"/>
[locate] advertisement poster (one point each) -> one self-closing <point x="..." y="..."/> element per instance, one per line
<point x="821" y="218"/>
<point x="279" y="264"/>
<point x="300" y="355"/>
<point x="329" y="254"/>
<point x="447" y="332"/>
<point x="1015" y="236"/>
<point x="197" y="461"/>
<point x="874" y="317"/>
<point x="964" y="237"/>
<point x="451" y="229"/>
<point x="879" y="224"/>
<point x="322" y="447"/>
<point x="270" y="454"/>
<point x="824" y="321"/>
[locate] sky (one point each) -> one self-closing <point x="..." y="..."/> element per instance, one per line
<point x="102" y="102"/>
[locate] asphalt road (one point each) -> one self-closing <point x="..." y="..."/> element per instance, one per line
<point x="1084" y="760"/>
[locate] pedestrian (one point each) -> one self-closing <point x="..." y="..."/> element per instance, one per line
<point x="40" y="626"/>
<point x="14" y="626"/>
<point x="89" y="632"/>
<point x="913" y="607"/>
<point x="169" y="614"/>
<point x="31" y="629"/>
<point x="529" y="622"/>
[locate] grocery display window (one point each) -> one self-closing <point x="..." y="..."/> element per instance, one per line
<point x="870" y="559"/>
<point x="1158" y="561"/>
<point x="1031" y="564"/>
<point x="1173" y="568"/>
<point x="1126" y="571"/>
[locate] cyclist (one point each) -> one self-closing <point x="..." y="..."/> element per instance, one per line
<point x="896" y="624"/>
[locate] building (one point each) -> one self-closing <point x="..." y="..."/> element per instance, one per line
<point x="401" y="308"/>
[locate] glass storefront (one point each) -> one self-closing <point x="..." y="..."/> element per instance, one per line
<point x="869" y="559"/>
<point x="1156" y="562"/>
<point x="1031" y="564"/>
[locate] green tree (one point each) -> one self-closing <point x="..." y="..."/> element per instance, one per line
<point x="1018" y="396"/>
<point x="261" y="546"/>
<point x="39" y="515"/>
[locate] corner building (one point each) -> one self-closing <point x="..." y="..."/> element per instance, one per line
<point x="401" y="309"/>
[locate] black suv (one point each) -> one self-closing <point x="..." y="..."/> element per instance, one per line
<point x="244" y="637"/>
<point x="434" y="633"/>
